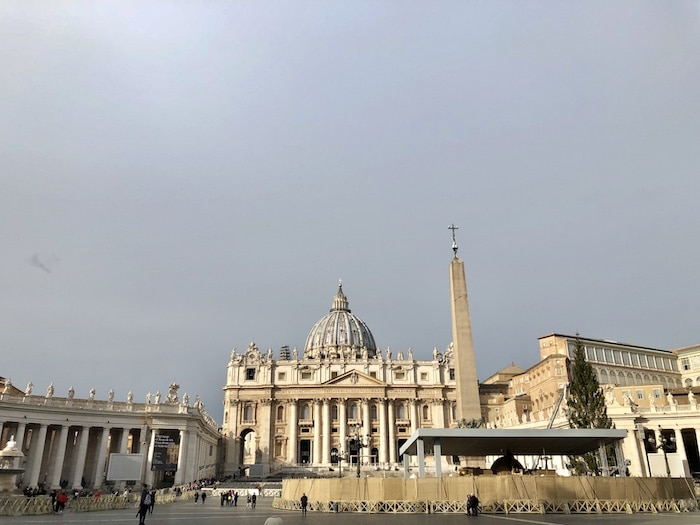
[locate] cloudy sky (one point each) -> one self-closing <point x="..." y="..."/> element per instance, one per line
<point x="181" y="178"/>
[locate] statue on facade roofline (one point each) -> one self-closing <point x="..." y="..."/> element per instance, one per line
<point x="71" y="393"/>
<point x="186" y="399"/>
<point x="130" y="397"/>
<point x="28" y="390"/>
<point x="158" y="397"/>
<point x="49" y="391"/>
<point x="172" y="392"/>
<point x="148" y="398"/>
<point x="92" y="394"/>
<point x="8" y="384"/>
<point x="110" y="395"/>
<point x="691" y="397"/>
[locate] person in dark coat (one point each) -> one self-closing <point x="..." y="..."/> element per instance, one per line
<point x="144" y="505"/>
<point x="304" y="503"/>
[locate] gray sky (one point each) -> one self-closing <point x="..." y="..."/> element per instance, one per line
<point x="181" y="178"/>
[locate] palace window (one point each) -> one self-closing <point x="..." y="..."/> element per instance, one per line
<point x="373" y="374"/>
<point x="250" y="374"/>
<point x="248" y="412"/>
<point x="354" y="412"/>
<point x="280" y="413"/>
<point x="334" y="412"/>
<point x="281" y="376"/>
<point x="400" y="412"/>
<point x="640" y="394"/>
<point x="400" y="375"/>
<point x="452" y="374"/>
<point x="306" y="375"/>
<point x="305" y="411"/>
<point x="373" y="413"/>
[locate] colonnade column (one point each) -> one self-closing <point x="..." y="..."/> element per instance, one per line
<point x="19" y="436"/>
<point x="366" y="431"/>
<point x="148" y="477"/>
<point x="392" y="432"/>
<point x="101" y="458"/>
<point x="293" y="433"/>
<point x="80" y="460"/>
<point x="38" y="445"/>
<point x="680" y="448"/>
<point x="180" y="477"/>
<point x="317" y="432"/>
<point x="382" y="432"/>
<point x="326" y="431"/>
<point x="57" y="466"/>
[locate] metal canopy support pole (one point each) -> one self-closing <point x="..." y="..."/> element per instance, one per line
<point x="406" y="463"/>
<point x="437" y="451"/>
<point x="604" y="471"/>
<point x="420" y="445"/>
<point x="620" y="458"/>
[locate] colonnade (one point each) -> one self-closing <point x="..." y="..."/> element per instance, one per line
<point x="64" y="452"/>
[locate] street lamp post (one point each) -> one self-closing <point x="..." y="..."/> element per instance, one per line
<point x="358" y="443"/>
<point x="663" y="447"/>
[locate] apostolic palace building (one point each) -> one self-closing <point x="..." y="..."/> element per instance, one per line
<point x="343" y="403"/>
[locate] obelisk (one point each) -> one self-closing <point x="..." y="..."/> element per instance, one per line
<point x="466" y="380"/>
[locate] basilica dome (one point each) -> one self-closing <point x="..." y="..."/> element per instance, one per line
<point x="340" y="333"/>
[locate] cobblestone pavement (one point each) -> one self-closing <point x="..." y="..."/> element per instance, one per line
<point x="213" y="514"/>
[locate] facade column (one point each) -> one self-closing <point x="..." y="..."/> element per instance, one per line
<point x="392" y="431"/>
<point x="439" y="413"/>
<point x="101" y="458"/>
<point x="326" y="422"/>
<point x="317" y="433"/>
<point x="38" y="446"/>
<point x="180" y="473"/>
<point x="80" y="459"/>
<point x="413" y="408"/>
<point x="342" y="429"/>
<point x="293" y="445"/>
<point x="60" y="454"/>
<point x="383" y="456"/>
<point x="366" y="431"/>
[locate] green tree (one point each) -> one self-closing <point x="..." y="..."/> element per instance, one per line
<point x="585" y="404"/>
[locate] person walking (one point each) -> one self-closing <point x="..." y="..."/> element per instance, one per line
<point x="204" y="497"/>
<point x="144" y="505"/>
<point x="196" y="497"/>
<point x="153" y="502"/>
<point x="304" y="503"/>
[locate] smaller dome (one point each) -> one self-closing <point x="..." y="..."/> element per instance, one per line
<point x="340" y="333"/>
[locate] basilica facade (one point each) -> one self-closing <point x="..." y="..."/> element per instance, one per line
<point x="341" y="403"/>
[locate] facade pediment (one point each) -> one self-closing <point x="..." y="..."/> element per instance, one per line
<point x="354" y="378"/>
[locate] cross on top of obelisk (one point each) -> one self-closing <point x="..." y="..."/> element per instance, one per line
<point x="454" y="240"/>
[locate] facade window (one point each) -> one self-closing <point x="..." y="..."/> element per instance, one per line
<point x="400" y="412"/>
<point x="590" y="354"/>
<point x="250" y="374"/>
<point x="657" y="393"/>
<point x="617" y="356"/>
<point x="426" y="413"/>
<point x="640" y="394"/>
<point x="608" y="356"/>
<point x="354" y="411"/>
<point x="626" y="358"/>
<point x="334" y="412"/>
<point x="281" y="376"/>
<point x="280" y="413"/>
<point x="373" y="374"/>
<point x="560" y="371"/>
<point x="334" y="375"/>
<point x="305" y="411"/>
<point x="635" y="359"/>
<point x="424" y="376"/>
<point x="306" y="375"/>
<point x="400" y="375"/>
<point x="373" y="412"/>
<point x="248" y="412"/>
<point x="452" y="374"/>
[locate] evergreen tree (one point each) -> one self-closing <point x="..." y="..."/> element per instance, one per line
<point x="585" y="404"/>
